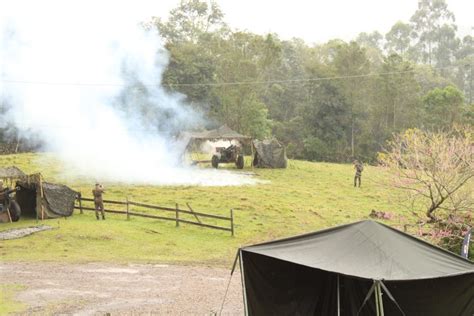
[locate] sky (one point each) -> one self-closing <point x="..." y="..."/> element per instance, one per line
<point x="315" y="21"/>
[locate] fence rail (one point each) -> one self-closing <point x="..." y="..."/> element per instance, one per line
<point x="198" y="216"/>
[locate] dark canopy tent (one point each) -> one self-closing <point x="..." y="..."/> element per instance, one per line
<point x="344" y="271"/>
<point x="193" y="140"/>
<point x="224" y="132"/>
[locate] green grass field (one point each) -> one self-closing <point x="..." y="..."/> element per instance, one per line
<point x="305" y="197"/>
<point x="8" y="304"/>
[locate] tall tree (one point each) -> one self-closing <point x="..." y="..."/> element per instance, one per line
<point x="433" y="25"/>
<point x="243" y="59"/>
<point x="352" y="65"/>
<point x="190" y="21"/>
<point x="465" y="65"/>
<point x="398" y="38"/>
<point x="398" y="106"/>
<point x="190" y="33"/>
<point x="443" y="107"/>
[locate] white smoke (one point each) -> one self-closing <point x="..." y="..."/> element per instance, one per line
<point x="85" y="78"/>
<point x="210" y="147"/>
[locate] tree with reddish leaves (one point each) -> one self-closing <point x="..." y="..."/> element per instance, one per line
<point x="436" y="170"/>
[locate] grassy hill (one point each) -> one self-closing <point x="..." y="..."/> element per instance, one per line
<point x="305" y="197"/>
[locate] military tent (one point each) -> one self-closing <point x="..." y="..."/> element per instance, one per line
<point x="269" y="154"/>
<point x="364" y="268"/>
<point x="222" y="133"/>
<point x="44" y="200"/>
<point x="11" y="172"/>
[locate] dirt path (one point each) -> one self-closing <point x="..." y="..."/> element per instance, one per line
<point x="134" y="289"/>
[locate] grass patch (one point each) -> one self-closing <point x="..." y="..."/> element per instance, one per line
<point x="8" y="304"/>
<point x="305" y="197"/>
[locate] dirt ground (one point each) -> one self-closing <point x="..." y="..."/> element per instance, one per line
<point x="134" y="289"/>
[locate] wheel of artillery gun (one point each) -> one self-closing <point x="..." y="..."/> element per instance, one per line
<point x="215" y="161"/>
<point x="15" y="211"/>
<point x="240" y="162"/>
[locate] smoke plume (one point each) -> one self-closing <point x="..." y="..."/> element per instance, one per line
<point x="85" y="78"/>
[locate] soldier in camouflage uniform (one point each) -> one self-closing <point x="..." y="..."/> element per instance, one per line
<point x="98" y="201"/>
<point x="358" y="175"/>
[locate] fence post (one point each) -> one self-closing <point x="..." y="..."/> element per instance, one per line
<point x="177" y="215"/>
<point x="232" y="222"/>
<point x="128" y="215"/>
<point x="79" y="197"/>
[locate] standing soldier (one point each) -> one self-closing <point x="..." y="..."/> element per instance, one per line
<point x="98" y="201"/>
<point x="358" y="175"/>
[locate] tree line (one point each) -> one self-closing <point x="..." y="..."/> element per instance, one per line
<point x="328" y="102"/>
<point x="334" y="101"/>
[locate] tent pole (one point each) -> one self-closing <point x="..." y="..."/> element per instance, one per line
<point x="390" y="296"/>
<point x="241" y="262"/>
<point x="376" y="293"/>
<point x="42" y="197"/>
<point x="252" y="153"/>
<point x="380" y="299"/>
<point x="338" y="298"/>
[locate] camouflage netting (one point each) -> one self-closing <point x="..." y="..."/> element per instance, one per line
<point x="58" y="200"/>
<point x="269" y="154"/>
<point x="11" y="172"/>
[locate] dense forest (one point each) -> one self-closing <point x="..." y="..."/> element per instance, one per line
<point x="326" y="102"/>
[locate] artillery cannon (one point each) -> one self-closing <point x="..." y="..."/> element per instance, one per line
<point x="8" y="205"/>
<point x="231" y="154"/>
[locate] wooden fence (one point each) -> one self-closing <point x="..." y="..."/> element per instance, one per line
<point x="197" y="216"/>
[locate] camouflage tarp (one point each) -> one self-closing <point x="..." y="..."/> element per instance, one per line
<point x="58" y="200"/>
<point x="269" y="154"/>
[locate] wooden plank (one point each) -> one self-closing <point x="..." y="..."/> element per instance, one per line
<point x="204" y="225"/>
<point x="232" y="222"/>
<point x="177" y="215"/>
<point x="80" y="203"/>
<point x="153" y="206"/>
<point x="206" y="215"/>
<point x="115" y="202"/>
<point x="161" y="208"/>
<point x="130" y="213"/>
<point x="190" y="208"/>
<point x="105" y="201"/>
<point x="152" y="216"/>
<point x="128" y="210"/>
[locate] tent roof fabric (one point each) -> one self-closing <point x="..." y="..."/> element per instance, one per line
<point x="11" y="172"/>
<point x="223" y="132"/>
<point x="269" y="153"/>
<point x="58" y="199"/>
<point x="368" y="250"/>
